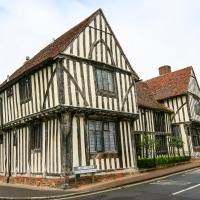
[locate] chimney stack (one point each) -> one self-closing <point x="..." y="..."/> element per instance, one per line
<point x="8" y="78"/>
<point x="27" y="58"/>
<point x="165" y="69"/>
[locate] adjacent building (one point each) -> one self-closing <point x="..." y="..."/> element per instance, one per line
<point x="179" y="91"/>
<point x="152" y="130"/>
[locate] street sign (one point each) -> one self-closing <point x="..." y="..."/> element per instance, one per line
<point x="85" y="169"/>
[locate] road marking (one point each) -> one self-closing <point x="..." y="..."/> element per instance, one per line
<point x="170" y="182"/>
<point x="185" y="189"/>
<point x="194" y="172"/>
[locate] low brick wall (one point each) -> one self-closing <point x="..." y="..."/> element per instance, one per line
<point x="61" y="183"/>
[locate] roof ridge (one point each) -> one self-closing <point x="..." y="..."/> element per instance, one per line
<point x="167" y="74"/>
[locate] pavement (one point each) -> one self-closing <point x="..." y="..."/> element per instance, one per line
<point x="19" y="191"/>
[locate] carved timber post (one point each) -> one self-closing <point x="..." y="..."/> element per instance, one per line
<point x="60" y="82"/>
<point x="65" y="122"/>
<point x="66" y="143"/>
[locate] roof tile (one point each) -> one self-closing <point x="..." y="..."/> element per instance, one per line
<point x="171" y="84"/>
<point x="147" y="99"/>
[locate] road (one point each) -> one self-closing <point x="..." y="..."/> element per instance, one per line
<point x="182" y="186"/>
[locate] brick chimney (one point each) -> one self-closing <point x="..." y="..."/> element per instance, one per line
<point x="165" y="69"/>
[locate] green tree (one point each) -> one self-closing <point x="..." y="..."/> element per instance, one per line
<point x="176" y="142"/>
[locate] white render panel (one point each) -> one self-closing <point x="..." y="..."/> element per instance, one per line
<point x="75" y="142"/>
<point x="193" y="86"/>
<point x="82" y="142"/>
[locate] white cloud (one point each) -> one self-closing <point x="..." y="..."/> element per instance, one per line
<point x="152" y="33"/>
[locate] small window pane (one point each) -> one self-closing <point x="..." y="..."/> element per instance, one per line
<point x="91" y="125"/>
<point x="105" y="126"/>
<point x="92" y="141"/>
<point x="99" y="126"/>
<point x="110" y="82"/>
<point x="99" y="79"/>
<point x="99" y="141"/>
<point x="106" y="141"/>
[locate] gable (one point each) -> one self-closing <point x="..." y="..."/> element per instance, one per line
<point x="98" y="42"/>
<point x="90" y="35"/>
<point x="193" y="85"/>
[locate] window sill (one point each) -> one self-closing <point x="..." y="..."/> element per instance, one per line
<point x="100" y="155"/>
<point x="106" y="93"/>
<point x="26" y="100"/>
<point x="34" y="151"/>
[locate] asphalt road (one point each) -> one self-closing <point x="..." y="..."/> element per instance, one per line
<point x="182" y="186"/>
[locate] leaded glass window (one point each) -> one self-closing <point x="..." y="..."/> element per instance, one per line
<point x="102" y="136"/>
<point x="105" y="80"/>
<point x="25" y="89"/>
<point x="198" y="108"/>
<point x="176" y="130"/>
<point x="36" y="136"/>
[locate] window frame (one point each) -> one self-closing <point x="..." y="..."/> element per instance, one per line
<point x="138" y="149"/>
<point x="25" y="89"/>
<point x="36" y="137"/>
<point x="102" y="91"/>
<point x="9" y="91"/>
<point x="197" y="108"/>
<point x="111" y="145"/>
<point x="159" y="121"/>
<point x="176" y="131"/>
<point x="195" y="137"/>
<point x="161" y="150"/>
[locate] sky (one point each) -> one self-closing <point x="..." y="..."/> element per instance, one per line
<point x="152" y="33"/>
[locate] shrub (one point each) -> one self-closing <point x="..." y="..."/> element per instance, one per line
<point x="161" y="160"/>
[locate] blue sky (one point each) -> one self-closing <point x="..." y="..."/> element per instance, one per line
<point x="152" y="33"/>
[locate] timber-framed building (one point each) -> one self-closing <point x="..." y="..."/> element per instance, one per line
<point x="72" y="104"/>
<point x="152" y="131"/>
<point x="179" y="91"/>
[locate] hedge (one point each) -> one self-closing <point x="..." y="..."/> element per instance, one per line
<point x="161" y="160"/>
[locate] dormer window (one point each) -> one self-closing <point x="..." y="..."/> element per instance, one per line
<point x="25" y="89"/>
<point x="10" y="91"/>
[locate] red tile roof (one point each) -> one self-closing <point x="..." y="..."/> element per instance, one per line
<point x="52" y="49"/>
<point x="56" y="47"/>
<point x="147" y="99"/>
<point x="171" y="84"/>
